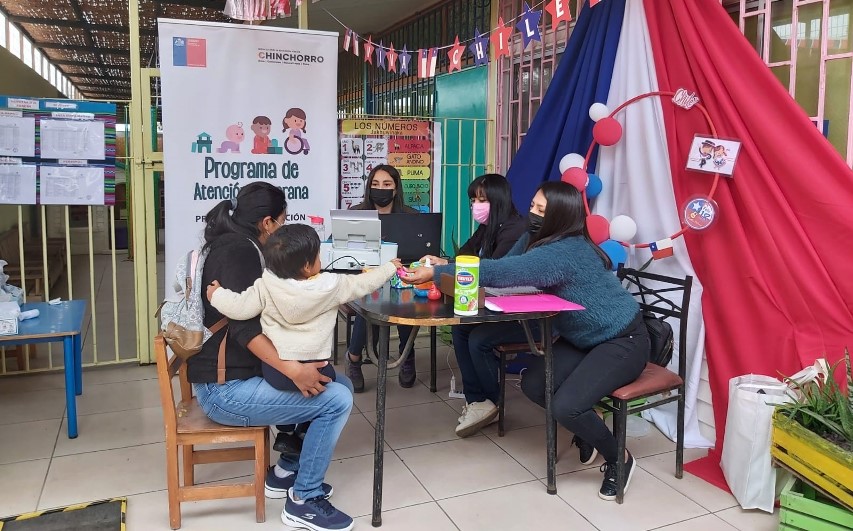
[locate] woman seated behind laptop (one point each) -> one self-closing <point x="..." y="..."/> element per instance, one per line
<point x="385" y="195"/>
<point x="297" y="303"/>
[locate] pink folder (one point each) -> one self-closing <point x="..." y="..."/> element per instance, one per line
<point x="541" y="302"/>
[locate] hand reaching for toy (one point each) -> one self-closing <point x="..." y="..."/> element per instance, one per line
<point x="215" y="285"/>
<point x="419" y="275"/>
<point x="397" y="263"/>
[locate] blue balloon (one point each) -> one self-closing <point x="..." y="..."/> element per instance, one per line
<point x="615" y="251"/>
<point x="593" y="188"/>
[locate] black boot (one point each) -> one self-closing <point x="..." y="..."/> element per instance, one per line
<point x="354" y="374"/>
<point x="408" y="374"/>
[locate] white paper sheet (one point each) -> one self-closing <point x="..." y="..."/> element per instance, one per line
<point x="17" y="184"/>
<point x="70" y="185"/>
<point x="72" y="139"/>
<point x="17" y="136"/>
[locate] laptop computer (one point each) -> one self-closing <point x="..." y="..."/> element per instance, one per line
<point x="416" y="235"/>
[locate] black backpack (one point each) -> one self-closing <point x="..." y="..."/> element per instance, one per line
<point x="660" y="338"/>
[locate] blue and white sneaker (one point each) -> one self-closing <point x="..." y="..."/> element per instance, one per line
<point x="316" y="514"/>
<point x="275" y="488"/>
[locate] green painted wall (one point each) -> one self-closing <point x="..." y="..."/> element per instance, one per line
<point x="461" y="109"/>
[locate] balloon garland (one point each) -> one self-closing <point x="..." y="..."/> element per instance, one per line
<point x="612" y="236"/>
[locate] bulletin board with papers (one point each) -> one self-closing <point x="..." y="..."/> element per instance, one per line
<point x="57" y="152"/>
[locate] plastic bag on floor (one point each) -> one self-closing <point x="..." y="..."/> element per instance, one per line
<point x="746" y="461"/>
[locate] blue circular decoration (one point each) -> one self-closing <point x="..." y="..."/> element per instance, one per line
<point x="594" y="186"/>
<point x="615" y="251"/>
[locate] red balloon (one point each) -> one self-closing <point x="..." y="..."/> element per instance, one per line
<point x="607" y="131"/>
<point x="577" y="177"/>
<point x="598" y="228"/>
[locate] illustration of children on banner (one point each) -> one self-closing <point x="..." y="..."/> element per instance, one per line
<point x="294" y="125"/>
<point x="235" y="136"/>
<point x="722" y="153"/>
<point x="261" y="126"/>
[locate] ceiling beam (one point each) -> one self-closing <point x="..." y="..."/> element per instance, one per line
<point x="69" y="62"/>
<point x="96" y="76"/>
<point x="208" y="4"/>
<point x="76" y="48"/>
<point x="78" y="24"/>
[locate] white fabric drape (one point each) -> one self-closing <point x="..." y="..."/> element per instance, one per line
<point x="638" y="183"/>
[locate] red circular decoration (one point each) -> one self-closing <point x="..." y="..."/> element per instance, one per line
<point x="699" y="212"/>
<point x="577" y="177"/>
<point x="659" y="94"/>
<point x="607" y="131"/>
<point x="598" y="228"/>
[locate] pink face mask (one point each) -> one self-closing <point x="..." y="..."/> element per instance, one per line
<point x="480" y="212"/>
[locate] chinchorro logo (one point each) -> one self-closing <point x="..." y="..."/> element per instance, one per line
<point x="464" y="278"/>
<point x="287" y="57"/>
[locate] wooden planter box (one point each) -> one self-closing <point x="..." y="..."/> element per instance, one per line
<point x="802" y="509"/>
<point x="818" y="461"/>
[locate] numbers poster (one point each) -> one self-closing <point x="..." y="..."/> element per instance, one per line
<point x="408" y="145"/>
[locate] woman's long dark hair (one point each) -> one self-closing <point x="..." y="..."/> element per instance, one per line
<point x="254" y="202"/>
<point x="565" y="216"/>
<point x="498" y="193"/>
<point x="397" y="203"/>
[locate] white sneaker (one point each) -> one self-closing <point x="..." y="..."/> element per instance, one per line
<point x="475" y="417"/>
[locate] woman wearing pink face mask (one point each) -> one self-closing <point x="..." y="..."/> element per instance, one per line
<point x="500" y="227"/>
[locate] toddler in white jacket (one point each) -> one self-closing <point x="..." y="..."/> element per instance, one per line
<point x="297" y="303"/>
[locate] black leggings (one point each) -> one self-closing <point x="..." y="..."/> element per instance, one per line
<point x="581" y="379"/>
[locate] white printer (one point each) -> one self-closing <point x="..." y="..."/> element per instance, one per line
<point x="356" y="242"/>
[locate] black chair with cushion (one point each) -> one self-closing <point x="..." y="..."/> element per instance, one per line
<point x="657" y="385"/>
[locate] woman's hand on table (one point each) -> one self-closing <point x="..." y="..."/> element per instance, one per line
<point x="433" y="260"/>
<point x="419" y="275"/>
<point x="307" y="376"/>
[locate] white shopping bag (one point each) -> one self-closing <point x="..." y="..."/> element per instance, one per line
<point x="746" y="459"/>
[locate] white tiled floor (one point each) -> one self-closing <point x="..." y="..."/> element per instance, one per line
<point x="433" y="480"/>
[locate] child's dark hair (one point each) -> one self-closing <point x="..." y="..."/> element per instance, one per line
<point x="262" y="120"/>
<point x="298" y="113"/>
<point x="290" y="248"/>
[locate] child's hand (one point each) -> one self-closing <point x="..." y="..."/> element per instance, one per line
<point x="397" y="263"/>
<point x="215" y="285"/>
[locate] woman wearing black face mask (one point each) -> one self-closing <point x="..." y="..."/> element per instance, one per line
<point x="598" y="350"/>
<point x="385" y="195"/>
<point x="384" y="192"/>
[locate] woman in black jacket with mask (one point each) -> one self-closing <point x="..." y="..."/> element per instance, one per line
<point x="385" y="195"/>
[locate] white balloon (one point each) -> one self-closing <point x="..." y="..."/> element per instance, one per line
<point x="597" y="111"/>
<point x="572" y="160"/>
<point x="623" y="228"/>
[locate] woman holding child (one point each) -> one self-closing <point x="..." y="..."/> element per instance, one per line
<point x="600" y="348"/>
<point x="234" y="233"/>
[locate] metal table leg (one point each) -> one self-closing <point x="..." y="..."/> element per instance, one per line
<point x="381" y="385"/>
<point x="550" y="423"/>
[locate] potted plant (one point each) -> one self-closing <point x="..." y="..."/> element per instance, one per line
<point x="813" y="436"/>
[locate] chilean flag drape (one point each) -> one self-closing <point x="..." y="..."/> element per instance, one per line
<point x="773" y="288"/>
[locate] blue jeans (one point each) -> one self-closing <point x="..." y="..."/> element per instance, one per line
<point x="358" y="339"/>
<point x="475" y="353"/>
<point x="254" y="402"/>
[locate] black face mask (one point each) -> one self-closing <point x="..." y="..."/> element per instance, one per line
<point x="381" y="197"/>
<point x="534" y="223"/>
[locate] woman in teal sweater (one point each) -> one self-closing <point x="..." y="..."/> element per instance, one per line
<point x="600" y="348"/>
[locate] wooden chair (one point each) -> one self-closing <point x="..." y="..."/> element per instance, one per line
<point x="186" y="426"/>
<point x="654" y="380"/>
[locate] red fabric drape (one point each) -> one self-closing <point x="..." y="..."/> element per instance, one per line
<point x="777" y="268"/>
